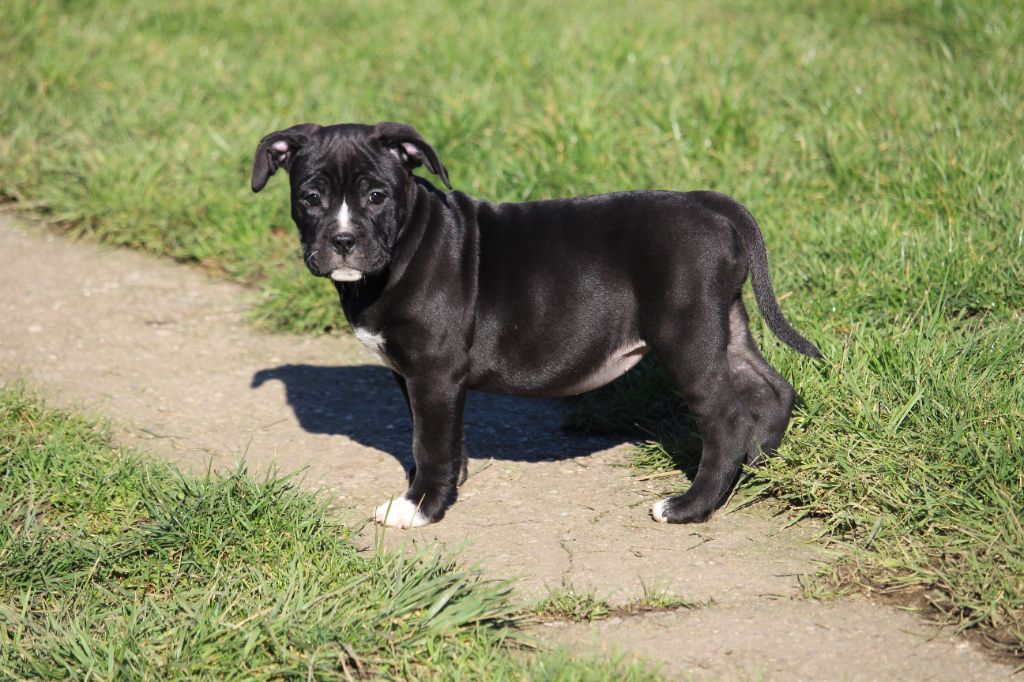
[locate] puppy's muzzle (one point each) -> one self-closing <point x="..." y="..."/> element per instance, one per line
<point x="343" y="244"/>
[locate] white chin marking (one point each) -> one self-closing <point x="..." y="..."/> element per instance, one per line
<point x="400" y="513"/>
<point x="658" y="511"/>
<point x="345" y="274"/>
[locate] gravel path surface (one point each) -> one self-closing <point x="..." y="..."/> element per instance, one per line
<point x="166" y="354"/>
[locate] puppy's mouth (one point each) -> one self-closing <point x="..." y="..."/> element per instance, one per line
<point x="345" y="274"/>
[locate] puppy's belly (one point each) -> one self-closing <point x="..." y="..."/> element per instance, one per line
<point x="614" y="366"/>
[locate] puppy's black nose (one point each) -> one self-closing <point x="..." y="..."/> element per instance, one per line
<point x="343" y="242"/>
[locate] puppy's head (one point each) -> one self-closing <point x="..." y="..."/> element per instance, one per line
<point x="351" y="189"/>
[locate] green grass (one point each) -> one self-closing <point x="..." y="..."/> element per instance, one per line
<point x="116" y="567"/>
<point x="876" y="142"/>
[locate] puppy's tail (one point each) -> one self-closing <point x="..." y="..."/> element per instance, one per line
<point x="750" y="234"/>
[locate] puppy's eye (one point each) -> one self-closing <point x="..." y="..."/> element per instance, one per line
<point x="377" y="197"/>
<point x="312" y="199"/>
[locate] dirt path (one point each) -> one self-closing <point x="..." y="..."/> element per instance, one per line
<point x="165" y="353"/>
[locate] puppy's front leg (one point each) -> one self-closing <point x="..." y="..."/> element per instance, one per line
<point x="464" y="457"/>
<point x="437" y="404"/>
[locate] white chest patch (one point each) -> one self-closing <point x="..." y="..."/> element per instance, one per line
<point x="374" y="343"/>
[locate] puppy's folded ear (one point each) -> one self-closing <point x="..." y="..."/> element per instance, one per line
<point x="277" y="150"/>
<point x="404" y="142"/>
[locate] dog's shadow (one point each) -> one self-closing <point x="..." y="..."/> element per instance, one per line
<point x="365" y="404"/>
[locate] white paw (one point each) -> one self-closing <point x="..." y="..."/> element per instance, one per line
<point x="658" y="510"/>
<point x="400" y="513"/>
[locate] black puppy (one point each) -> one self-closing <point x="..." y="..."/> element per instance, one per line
<point x="545" y="298"/>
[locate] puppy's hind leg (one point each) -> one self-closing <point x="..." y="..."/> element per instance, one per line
<point x="695" y="356"/>
<point x="766" y="394"/>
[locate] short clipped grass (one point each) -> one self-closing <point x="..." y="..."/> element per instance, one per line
<point x="116" y="567"/>
<point x="876" y="142"/>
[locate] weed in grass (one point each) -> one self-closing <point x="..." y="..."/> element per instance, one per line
<point x="568" y="603"/>
<point x="659" y="599"/>
<point x="571" y="604"/>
